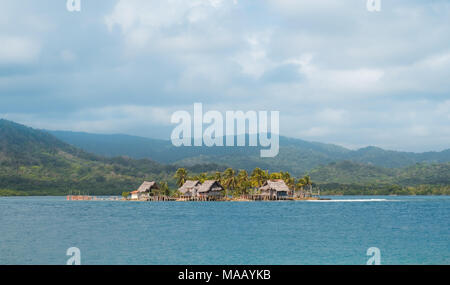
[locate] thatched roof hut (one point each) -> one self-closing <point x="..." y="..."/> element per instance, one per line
<point x="274" y="188"/>
<point x="210" y="188"/>
<point x="190" y="187"/>
<point x="277" y="185"/>
<point x="147" y="187"/>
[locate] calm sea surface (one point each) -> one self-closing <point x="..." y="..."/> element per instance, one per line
<point x="407" y="230"/>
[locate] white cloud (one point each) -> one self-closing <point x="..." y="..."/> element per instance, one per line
<point x="359" y="79"/>
<point x="68" y="56"/>
<point x="443" y="109"/>
<point x="332" y="80"/>
<point x="438" y="61"/>
<point x="254" y="60"/>
<point x="419" y="130"/>
<point x="316" y="132"/>
<point x="331" y="116"/>
<point x="108" y="119"/>
<point x="294" y="8"/>
<point x="140" y="21"/>
<point x="18" y="50"/>
<point x="334" y="71"/>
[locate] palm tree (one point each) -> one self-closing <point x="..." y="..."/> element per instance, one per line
<point x="243" y="182"/>
<point x="290" y="182"/>
<point x="181" y="176"/>
<point x="229" y="180"/>
<point x="300" y="184"/>
<point x="217" y="176"/>
<point x="202" y="177"/>
<point x="308" y="183"/>
<point x="276" y="175"/>
<point x="266" y="175"/>
<point x="258" y="177"/>
<point x="164" y="189"/>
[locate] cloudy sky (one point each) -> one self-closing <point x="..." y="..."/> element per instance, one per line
<point x="336" y="72"/>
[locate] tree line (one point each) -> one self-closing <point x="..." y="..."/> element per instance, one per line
<point x="237" y="183"/>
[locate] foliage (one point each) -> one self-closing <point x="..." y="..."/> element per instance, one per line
<point x="296" y="156"/>
<point x="379" y="189"/>
<point x="347" y="172"/>
<point x="33" y="162"/>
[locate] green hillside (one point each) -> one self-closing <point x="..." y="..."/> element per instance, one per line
<point x="33" y="162"/>
<point x="346" y="172"/>
<point x="296" y="156"/>
<point x="348" y="178"/>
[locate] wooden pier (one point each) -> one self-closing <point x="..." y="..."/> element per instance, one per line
<point x="160" y="199"/>
<point x="79" y="198"/>
<point x="91" y="198"/>
<point x="199" y="199"/>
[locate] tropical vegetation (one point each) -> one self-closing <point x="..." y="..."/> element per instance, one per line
<point x="34" y="162"/>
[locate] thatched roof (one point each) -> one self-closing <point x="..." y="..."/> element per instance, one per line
<point x="210" y="185"/>
<point x="189" y="185"/>
<point x="147" y="186"/>
<point x="276" y="185"/>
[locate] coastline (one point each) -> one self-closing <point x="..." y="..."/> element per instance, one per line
<point x="241" y="200"/>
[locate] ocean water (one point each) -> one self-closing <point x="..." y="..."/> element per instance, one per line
<point x="407" y="230"/>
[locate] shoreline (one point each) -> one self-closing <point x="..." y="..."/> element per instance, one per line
<point x="328" y="195"/>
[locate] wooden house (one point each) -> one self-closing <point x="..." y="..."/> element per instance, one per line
<point x="190" y="188"/>
<point x="134" y="195"/>
<point x="274" y="189"/>
<point x="210" y="189"/>
<point x="144" y="191"/>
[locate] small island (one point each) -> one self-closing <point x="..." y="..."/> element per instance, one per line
<point x="228" y="186"/>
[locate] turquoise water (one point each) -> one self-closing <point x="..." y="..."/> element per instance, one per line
<point x="407" y="230"/>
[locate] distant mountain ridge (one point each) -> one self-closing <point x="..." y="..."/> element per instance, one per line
<point x="347" y="172"/>
<point x="297" y="156"/>
<point x="35" y="162"/>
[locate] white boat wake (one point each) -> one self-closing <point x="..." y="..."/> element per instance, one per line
<point x="349" y="200"/>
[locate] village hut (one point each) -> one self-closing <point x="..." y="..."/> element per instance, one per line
<point x="274" y="189"/>
<point x="134" y="195"/>
<point x="190" y="188"/>
<point x="210" y="189"/>
<point x="145" y="189"/>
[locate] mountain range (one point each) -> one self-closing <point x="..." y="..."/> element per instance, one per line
<point x="296" y="156"/>
<point x="34" y="162"/>
<point x="38" y="162"/>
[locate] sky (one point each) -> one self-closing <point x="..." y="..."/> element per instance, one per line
<point x="336" y="72"/>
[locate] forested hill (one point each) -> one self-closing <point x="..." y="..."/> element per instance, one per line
<point x="296" y="156"/>
<point x="34" y="162"/>
<point x="347" y="172"/>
